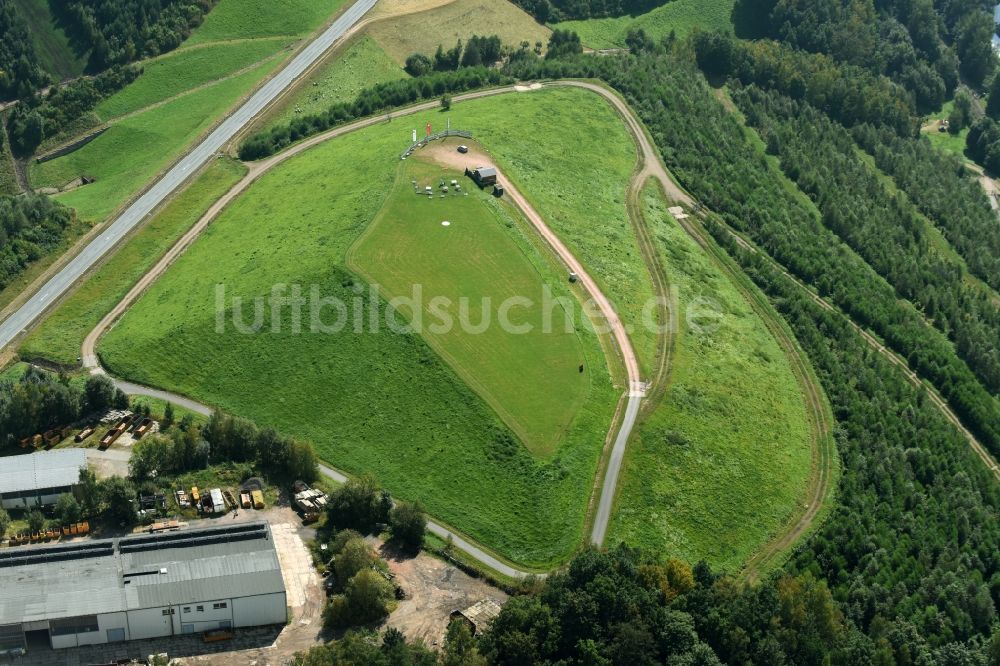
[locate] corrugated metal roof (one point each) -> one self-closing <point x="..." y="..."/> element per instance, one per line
<point x="93" y="585"/>
<point x="482" y="613"/>
<point x="44" y="469"/>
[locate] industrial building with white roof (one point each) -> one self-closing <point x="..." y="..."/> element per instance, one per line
<point x="38" y="479"/>
<point x="140" y="586"/>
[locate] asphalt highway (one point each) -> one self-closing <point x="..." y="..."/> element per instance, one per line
<point x="62" y="281"/>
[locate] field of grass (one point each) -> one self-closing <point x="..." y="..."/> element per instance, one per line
<point x="946" y="141"/>
<point x="722" y="462"/>
<point x="380" y="401"/>
<point x="247" y="19"/>
<point x="421" y="33"/>
<point x="531" y="379"/>
<point x="13" y="371"/>
<point x="185" y="69"/>
<point x="8" y="179"/>
<point x="52" y="46"/>
<point x="580" y="192"/>
<point x="142" y="144"/>
<point x="680" y="16"/>
<point x="363" y="64"/>
<point x="59" y="337"/>
<point x="128" y="155"/>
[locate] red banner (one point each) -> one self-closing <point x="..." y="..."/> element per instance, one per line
<point x="428" y="129"/>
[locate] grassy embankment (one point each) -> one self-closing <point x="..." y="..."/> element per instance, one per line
<point x="360" y="65"/>
<point x="178" y="98"/>
<point x="59" y="337"/>
<point x="383" y="402"/>
<point x="679" y="16"/>
<point x="719" y="466"/>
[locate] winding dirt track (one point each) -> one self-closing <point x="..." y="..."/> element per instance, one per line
<point x="650" y="167"/>
<point x="636" y="388"/>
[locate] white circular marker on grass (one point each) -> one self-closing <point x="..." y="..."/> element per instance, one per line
<point x="446" y="223"/>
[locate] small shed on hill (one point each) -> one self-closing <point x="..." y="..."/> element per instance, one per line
<point x="484" y="176"/>
<point x="479" y="615"/>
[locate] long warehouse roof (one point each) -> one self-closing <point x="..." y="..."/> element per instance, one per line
<point x="133" y="572"/>
<point x="44" y="469"/>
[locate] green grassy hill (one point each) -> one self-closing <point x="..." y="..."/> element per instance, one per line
<point x="724" y="460"/>
<point x="679" y="16"/>
<point x="179" y="96"/>
<point x="378" y="401"/>
<point x="531" y="379"/>
<point x="361" y="64"/>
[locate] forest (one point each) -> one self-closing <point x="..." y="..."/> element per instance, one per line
<point x="945" y="191"/>
<point x="117" y="32"/>
<point x="20" y="74"/>
<point x="553" y="11"/>
<point x="107" y="32"/>
<point x="884" y="229"/>
<point x="30" y="227"/>
<point x="924" y="45"/>
<point x="847" y="93"/>
<point x="41" y="117"/>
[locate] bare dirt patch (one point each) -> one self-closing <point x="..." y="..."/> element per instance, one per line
<point x="445" y="152"/>
<point x="433" y="589"/>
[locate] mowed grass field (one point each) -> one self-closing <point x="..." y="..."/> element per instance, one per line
<point x="60" y="335"/>
<point x="577" y="180"/>
<point x="361" y="65"/>
<point x="185" y="69"/>
<point x="679" y="16"/>
<point x="179" y="97"/>
<point x="382" y="402"/>
<point x="125" y="157"/>
<point x="529" y="372"/>
<point x="722" y="462"/>
<point x="251" y="19"/>
<point x="402" y="36"/>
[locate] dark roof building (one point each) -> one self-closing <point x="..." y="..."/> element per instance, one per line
<point x="484" y="176"/>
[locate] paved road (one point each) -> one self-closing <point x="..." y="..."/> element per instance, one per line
<point x="636" y="388"/>
<point x="607" y="499"/>
<point x="443" y="532"/>
<point x="190" y="163"/>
